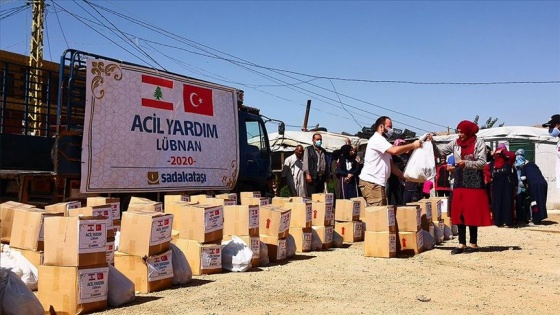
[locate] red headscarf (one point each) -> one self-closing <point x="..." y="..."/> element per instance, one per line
<point x="469" y="129"/>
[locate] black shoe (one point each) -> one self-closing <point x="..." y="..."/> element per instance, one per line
<point x="458" y="250"/>
<point x="470" y="249"/>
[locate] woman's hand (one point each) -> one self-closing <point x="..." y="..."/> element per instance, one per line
<point x="460" y="163"/>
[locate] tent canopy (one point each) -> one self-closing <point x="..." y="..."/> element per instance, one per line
<point x="290" y="139"/>
<point x="504" y="133"/>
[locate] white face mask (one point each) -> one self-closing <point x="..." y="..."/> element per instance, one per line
<point x="388" y="132"/>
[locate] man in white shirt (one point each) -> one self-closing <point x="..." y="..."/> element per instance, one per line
<point x="378" y="163"/>
<point x="292" y="173"/>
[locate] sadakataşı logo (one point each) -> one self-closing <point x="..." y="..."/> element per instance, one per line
<point x="176" y="177"/>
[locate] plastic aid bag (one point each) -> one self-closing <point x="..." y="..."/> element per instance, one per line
<point x="291" y="246"/>
<point x="421" y="165"/>
<point x="121" y="289"/>
<point x="182" y="272"/>
<point x="15" y="296"/>
<point x="236" y="255"/>
<point x="263" y="255"/>
<point x="17" y="263"/>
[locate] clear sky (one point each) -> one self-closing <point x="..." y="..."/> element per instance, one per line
<point x="283" y="53"/>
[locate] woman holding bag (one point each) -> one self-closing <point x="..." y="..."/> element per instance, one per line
<point x="469" y="206"/>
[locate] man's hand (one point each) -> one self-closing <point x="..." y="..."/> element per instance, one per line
<point x="460" y="163"/>
<point x="308" y="178"/>
<point x="417" y="144"/>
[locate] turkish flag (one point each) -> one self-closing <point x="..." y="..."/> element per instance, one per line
<point x="198" y="100"/>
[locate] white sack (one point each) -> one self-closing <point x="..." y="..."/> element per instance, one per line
<point x="429" y="241"/>
<point x="182" y="272"/>
<point x="263" y="255"/>
<point x="120" y="289"/>
<point x="290" y="246"/>
<point x="421" y="165"/>
<point x="236" y="255"/>
<point x="18" y="264"/>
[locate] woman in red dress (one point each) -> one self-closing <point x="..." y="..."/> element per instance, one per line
<point x="469" y="206"/>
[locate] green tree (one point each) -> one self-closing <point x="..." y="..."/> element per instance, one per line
<point x="490" y="122"/>
<point x="158" y="94"/>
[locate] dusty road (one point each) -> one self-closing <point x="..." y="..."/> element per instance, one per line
<point x="517" y="271"/>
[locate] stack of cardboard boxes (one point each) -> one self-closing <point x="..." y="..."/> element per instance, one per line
<point x="437" y="219"/>
<point x="347" y="222"/>
<point x="409" y="231"/>
<point x="426" y="209"/>
<point x="300" y="223"/>
<point x="274" y="227"/>
<point x="323" y="218"/>
<point x="144" y="254"/>
<point x="199" y="231"/>
<point x="106" y="211"/>
<point x="251" y="198"/>
<point x="381" y="232"/>
<point x="6" y="220"/>
<point x="243" y="222"/>
<point x="74" y="276"/>
<point x="444" y="205"/>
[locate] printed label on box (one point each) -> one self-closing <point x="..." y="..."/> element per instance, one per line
<point x="253" y="217"/>
<point x="115" y="210"/>
<point x="308" y="212"/>
<point x="285" y="221"/>
<point x="186" y="198"/>
<point x="229" y="202"/>
<point x="213" y="219"/>
<point x="93" y="285"/>
<point x="264" y="201"/>
<point x="161" y="230"/>
<point x="256" y="246"/>
<point x="160" y="267"/>
<point x="104" y="212"/>
<point x="110" y="253"/>
<point x="41" y="237"/>
<point x="307" y="238"/>
<point x="211" y="258"/>
<point x="73" y="205"/>
<point x="93" y="236"/>
<point x="328" y="234"/>
<point x="329" y="214"/>
<point x="444" y="205"/>
<point x="282" y="249"/>
<point x="358" y="229"/>
<point x="256" y="194"/>
<point x="428" y="211"/>
<point x="392" y="243"/>
<point x="418" y="216"/>
<point x="158" y="207"/>
<point x="355" y="208"/>
<point x="391" y="220"/>
<point x="439" y="206"/>
<point x="420" y="239"/>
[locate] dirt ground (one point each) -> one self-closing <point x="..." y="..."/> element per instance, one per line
<point x="517" y="271"/>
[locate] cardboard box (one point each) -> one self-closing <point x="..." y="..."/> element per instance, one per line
<point x="437" y="205"/>
<point x="221" y="202"/>
<point x="149" y="274"/>
<point x="7" y="216"/>
<point x="277" y="248"/>
<point x="411" y="242"/>
<point x="204" y="259"/>
<point x="167" y="199"/>
<point x="73" y="290"/>
<point x="200" y="198"/>
<point x="198" y="222"/>
<point x="145" y="234"/>
<point x="250" y="194"/>
<point x="280" y="201"/>
<point x="300" y="199"/>
<point x="34" y="257"/>
<point x="325" y="234"/>
<point x="323" y="213"/>
<point x="255" y="201"/>
<point x="96" y="211"/>
<point x="445" y="205"/>
<point x="150" y="206"/>
<point x="115" y="204"/>
<point x="303" y="238"/>
<point x="228" y="196"/>
<point x="380" y="244"/>
<point x="409" y="218"/>
<point x="426" y="210"/>
<point x="241" y="220"/>
<point x="326" y="198"/>
<point x="301" y="214"/>
<point x="380" y="219"/>
<point x="274" y="221"/>
<point x="75" y="241"/>
<point x="28" y="228"/>
<point x="363" y="206"/>
<point x="346" y="210"/>
<point x="63" y="207"/>
<point x="254" y="243"/>
<point x="349" y="231"/>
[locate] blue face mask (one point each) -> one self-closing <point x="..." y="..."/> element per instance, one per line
<point x="318" y="143"/>
<point x="555" y="132"/>
<point x="519" y="160"/>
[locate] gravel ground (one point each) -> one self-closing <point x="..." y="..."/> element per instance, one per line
<point x="517" y="271"/>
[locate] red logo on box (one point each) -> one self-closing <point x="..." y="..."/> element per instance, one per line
<point x="100" y="276"/>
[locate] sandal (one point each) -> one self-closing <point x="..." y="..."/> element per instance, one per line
<point x="458" y="250"/>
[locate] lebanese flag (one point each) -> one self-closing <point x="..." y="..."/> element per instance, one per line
<point x="156" y="93"/>
<point x="198" y="100"/>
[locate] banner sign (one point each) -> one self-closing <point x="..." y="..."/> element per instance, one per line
<point x="149" y="131"/>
